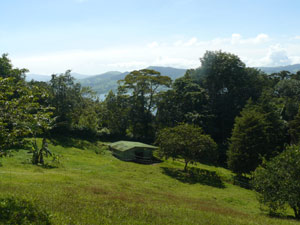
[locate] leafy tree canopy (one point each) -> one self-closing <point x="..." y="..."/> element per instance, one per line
<point x="258" y="132"/>
<point x="7" y="70"/>
<point x="142" y="88"/>
<point x="187" y="142"/>
<point x="229" y="84"/>
<point x="185" y="102"/>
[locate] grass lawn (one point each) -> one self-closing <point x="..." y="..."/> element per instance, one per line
<point x="92" y="187"/>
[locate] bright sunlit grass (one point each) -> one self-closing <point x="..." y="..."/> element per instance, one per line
<point x="96" y="188"/>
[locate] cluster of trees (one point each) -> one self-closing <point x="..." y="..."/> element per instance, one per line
<point x="222" y="112"/>
<point x="250" y="115"/>
<point x="32" y="109"/>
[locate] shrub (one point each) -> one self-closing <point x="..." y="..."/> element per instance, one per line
<point x="20" y="211"/>
<point x="187" y="142"/>
<point x="277" y="182"/>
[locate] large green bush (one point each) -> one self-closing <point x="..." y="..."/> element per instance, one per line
<point x="20" y="211"/>
<point x="277" y="182"/>
<point x="187" y="142"/>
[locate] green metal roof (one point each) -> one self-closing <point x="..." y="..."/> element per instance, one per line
<point x="126" y="145"/>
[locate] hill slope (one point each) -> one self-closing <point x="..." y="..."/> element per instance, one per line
<point x="45" y="78"/>
<point x="90" y="188"/>
<point x="103" y="83"/>
<point x="291" y="68"/>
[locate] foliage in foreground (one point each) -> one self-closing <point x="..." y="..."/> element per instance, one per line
<point x="278" y="182"/>
<point x="19" y="211"/>
<point x="188" y="142"/>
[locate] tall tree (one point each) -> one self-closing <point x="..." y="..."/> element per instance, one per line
<point x="20" y="112"/>
<point x="143" y="87"/>
<point x="258" y="132"/>
<point x="185" y="102"/>
<point x="289" y="91"/>
<point x="294" y="129"/>
<point x="19" y="105"/>
<point x="115" y="113"/>
<point x="229" y="84"/>
<point x="75" y="106"/>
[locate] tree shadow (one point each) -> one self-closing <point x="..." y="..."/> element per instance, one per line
<point x="153" y="160"/>
<point x="49" y="166"/>
<point x="195" y="175"/>
<point x="69" y="142"/>
<point x="283" y="216"/>
<point x="242" y="181"/>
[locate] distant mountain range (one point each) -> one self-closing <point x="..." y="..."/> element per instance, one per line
<point x="103" y="83"/>
<point x="291" y="68"/>
<point x="45" y="78"/>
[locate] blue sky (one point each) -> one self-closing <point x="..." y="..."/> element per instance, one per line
<point x="95" y="36"/>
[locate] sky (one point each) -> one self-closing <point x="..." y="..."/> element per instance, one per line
<point x="95" y="36"/>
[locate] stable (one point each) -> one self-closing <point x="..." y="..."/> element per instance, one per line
<point x="132" y="151"/>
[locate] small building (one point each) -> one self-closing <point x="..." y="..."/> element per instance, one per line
<point x="132" y="151"/>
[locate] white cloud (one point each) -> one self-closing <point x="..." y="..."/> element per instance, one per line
<point x="295" y="59"/>
<point x="128" y="65"/>
<point x="191" y="42"/>
<point x="276" y="56"/>
<point x="259" y="39"/>
<point x="259" y="50"/>
<point x="153" y="45"/>
<point x="178" y="43"/>
<point x="176" y="62"/>
<point x="236" y="38"/>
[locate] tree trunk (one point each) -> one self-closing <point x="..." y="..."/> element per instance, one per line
<point x="185" y="166"/>
<point x="41" y="158"/>
<point x="297" y="212"/>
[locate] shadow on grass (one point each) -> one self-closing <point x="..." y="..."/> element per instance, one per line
<point x="69" y="142"/>
<point x="195" y="175"/>
<point x="280" y="214"/>
<point x="242" y="181"/>
<point x="151" y="161"/>
<point x="154" y="160"/>
<point x="49" y="166"/>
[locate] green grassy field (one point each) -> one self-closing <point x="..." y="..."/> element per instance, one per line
<point x="96" y="188"/>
